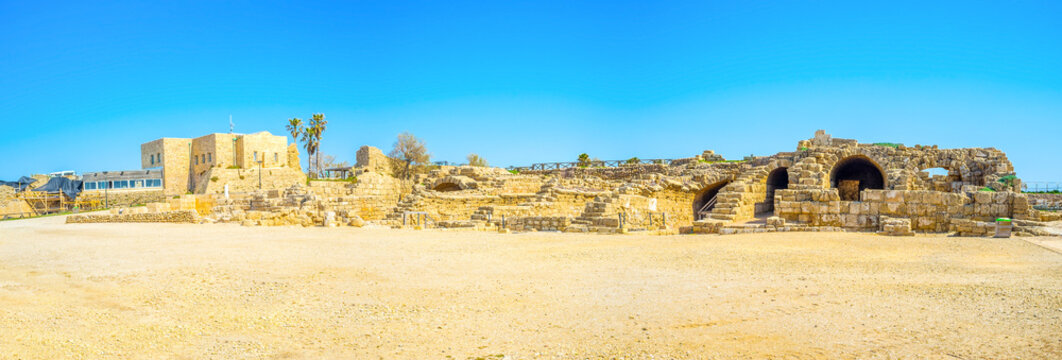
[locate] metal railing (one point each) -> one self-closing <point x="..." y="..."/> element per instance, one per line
<point x="703" y="211"/>
<point x="591" y="164"/>
<point x="1041" y="186"/>
<point x="416" y="218"/>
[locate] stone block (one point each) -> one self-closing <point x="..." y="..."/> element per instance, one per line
<point x="896" y="227"/>
<point x="983" y="197"/>
<point x="873" y="195"/>
<point x="775" y="221"/>
<point x="894" y="196"/>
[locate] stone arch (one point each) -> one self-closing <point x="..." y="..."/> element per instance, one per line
<point x="853" y="174"/>
<point x="446" y="187"/>
<point x="777" y="179"/>
<point x="704" y="201"/>
<point x="453" y="183"/>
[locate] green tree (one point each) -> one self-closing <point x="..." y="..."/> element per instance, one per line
<point x="584" y="160"/>
<point x="309" y="140"/>
<point x="318" y="123"/>
<point x="633" y="161"/>
<point x="476" y="160"/>
<point x="408" y="152"/>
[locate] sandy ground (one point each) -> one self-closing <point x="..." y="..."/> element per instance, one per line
<point x="156" y="291"/>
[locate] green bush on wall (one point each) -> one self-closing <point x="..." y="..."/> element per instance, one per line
<point x="1008" y="179"/>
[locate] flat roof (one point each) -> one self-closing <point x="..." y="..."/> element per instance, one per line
<point x="122" y="175"/>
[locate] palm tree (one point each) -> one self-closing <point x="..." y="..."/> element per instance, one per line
<point x="295" y="129"/>
<point x="310" y="140"/>
<point x="318" y="123"/>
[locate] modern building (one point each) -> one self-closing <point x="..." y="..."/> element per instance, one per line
<point x="123" y="180"/>
<point x="185" y="162"/>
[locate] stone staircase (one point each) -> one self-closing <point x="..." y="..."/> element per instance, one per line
<point x="600" y="214"/>
<point x="736" y="201"/>
<point x="483" y="213"/>
<point x="406" y="204"/>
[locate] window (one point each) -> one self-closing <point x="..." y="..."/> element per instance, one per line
<point x="210" y="157"/>
<point x="255" y="156"/>
<point x="196" y="160"/>
<point x="90" y="186"/>
<point x="276" y="157"/>
<point x="157" y="182"/>
<point x="103" y="185"/>
<point x="152" y="159"/>
<point x="159" y="156"/>
<point x="138" y="183"/>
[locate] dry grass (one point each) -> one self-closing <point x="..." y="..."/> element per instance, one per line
<point x="149" y="291"/>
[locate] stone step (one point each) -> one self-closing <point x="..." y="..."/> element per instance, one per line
<point x="728" y="217"/>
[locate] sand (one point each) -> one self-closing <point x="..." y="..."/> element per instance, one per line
<point x="157" y="291"/>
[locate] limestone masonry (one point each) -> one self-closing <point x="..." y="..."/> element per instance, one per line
<point x="826" y="184"/>
<point x="207" y="163"/>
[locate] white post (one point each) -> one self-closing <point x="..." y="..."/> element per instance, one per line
<point x="226" y="191"/>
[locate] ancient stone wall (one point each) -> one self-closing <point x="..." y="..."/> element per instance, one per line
<point x="371" y="159"/>
<point x="178" y="216"/>
<point x="6" y="193"/>
<point x="929" y="211"/>
<point x="828" y="184"/>
<point x="293" y="157"/>
<point x="1045" y="199"/>
<point x="213" y="181"/>
<point x="446" y="206"/>
<point x="112" y="198"/>
<point x="15" y="208"/>
<point x="372" y="196"/>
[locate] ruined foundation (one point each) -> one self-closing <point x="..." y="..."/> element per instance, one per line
<point x="827" y="184"/>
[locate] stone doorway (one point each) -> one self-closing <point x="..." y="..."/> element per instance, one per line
<point x="777" y="179"/>
<point x="705" y="200"/>
<point x="853" y="174"/>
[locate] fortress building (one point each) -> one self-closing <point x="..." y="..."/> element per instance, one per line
<point x="207" y="163"/>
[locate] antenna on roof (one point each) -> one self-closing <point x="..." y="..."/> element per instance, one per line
<point x="231" y="125"/>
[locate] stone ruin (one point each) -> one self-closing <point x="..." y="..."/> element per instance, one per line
<point x="826" y="184"/>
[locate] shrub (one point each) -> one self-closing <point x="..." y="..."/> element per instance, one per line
<point x="988" y="189"/>
<point x="233" y="167"/>
<point x="476" y="160"/>
<point x="887" y="144"/>
<point x="633" y="161"/>
<point x="584" y="160"/>
<point x="214" y="178"/>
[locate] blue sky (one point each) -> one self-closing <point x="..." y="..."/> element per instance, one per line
<point x="83" y="85"/>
